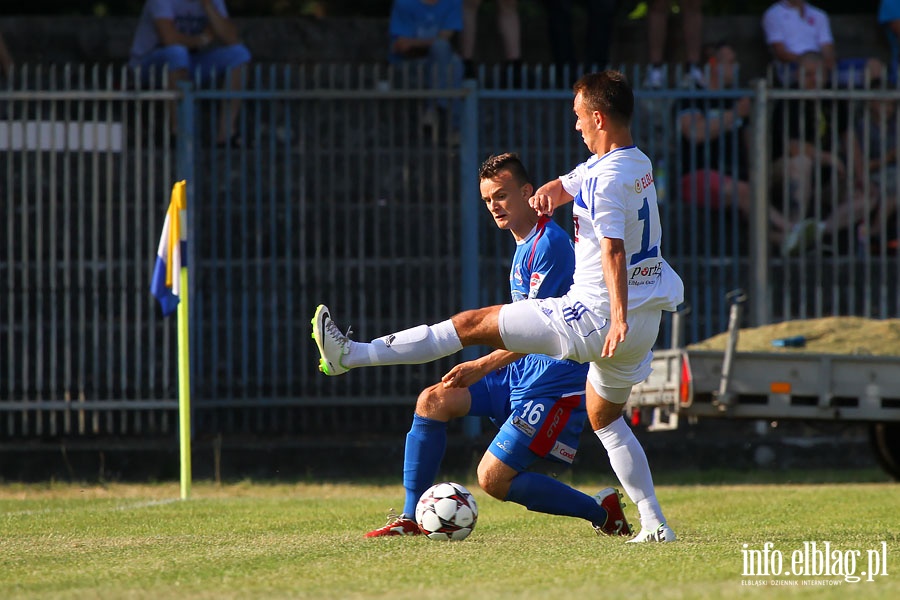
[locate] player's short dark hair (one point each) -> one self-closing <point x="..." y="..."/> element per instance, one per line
<point x="508" y="161"/>
<point x="608" y="93"/>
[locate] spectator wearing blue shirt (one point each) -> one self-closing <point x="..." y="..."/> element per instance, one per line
<point x="192" y="38"/>
<point x="889" y="18"/>
<point x="422" y="34"/>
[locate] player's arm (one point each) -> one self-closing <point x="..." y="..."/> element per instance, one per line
<point x="465" y="374"/>
<point x="549" y="196"/>
<point x="612" y="253"/>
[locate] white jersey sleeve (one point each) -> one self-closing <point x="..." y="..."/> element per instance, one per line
<point x="571" y="181"/>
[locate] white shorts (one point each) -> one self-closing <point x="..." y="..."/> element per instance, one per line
<point x="565" y="328"/>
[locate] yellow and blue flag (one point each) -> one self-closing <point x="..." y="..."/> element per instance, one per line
<point x="172" y="253"/>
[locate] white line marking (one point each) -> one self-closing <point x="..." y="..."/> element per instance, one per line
<point x="133" y="506"/>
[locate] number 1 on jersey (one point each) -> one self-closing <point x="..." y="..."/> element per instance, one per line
<point x="645" y="251"/>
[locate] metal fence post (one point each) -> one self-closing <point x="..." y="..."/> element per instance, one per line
<point x="469" y="252"/>
<point x="759" y="220"/>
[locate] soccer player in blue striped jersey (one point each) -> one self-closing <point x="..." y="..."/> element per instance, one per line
<point x="537" y="402"/>
<point x="609" y="317"/>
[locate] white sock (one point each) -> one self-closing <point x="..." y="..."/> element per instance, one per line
<point x="413" y="346"/>
<point x="627" y="458"/>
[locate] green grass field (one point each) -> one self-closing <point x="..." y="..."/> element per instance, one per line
<point x="258" y="540"/>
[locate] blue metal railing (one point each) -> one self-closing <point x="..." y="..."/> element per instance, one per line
<point x="341" y="189"/>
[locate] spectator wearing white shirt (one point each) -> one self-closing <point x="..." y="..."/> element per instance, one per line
<point x="794" y="28"/>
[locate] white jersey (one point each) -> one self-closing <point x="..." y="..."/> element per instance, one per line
<point x="615" y="198"/>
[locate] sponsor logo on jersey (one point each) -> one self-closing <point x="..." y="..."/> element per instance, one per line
<point x="520" y="424"/>
<point x="555" y="419"/>
<point x="646" y="180"/>
<point x="517" y="275"/>
<point x="535" y="284"/>
<point x="505" y="445"/>
<point x="563" y="452"/>
<point x="647" y="271"/>
<point x="389" y="340"/>
<point x="637" y="186"/>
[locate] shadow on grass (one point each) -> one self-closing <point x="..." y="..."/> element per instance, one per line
<point x="765" y="476"/>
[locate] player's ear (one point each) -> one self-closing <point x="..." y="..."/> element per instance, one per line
<point x="527" y="191"/>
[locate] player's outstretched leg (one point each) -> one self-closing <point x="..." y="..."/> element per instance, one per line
<point x="421" y="344"/>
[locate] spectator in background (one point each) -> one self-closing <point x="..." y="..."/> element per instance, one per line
<point x="422" y="34"/>
<point x="508" y="25"/>
<point x="889" y="18"/>
<point x="794" y="28"/>
<point x="714" y="156"/>
<point x="657" y="26"/>
<point x="876" y="146"/>
<point x="6" y="60"/>
<point x="194" y="38"/>
<point x="807" y="140"/>
<point x="598" y="34"/>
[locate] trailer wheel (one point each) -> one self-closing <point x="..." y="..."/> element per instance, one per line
<point x="885" y="438"/>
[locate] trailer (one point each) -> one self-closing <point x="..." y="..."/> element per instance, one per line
<point x="705" y="384"/>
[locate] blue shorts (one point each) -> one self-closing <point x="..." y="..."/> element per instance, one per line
<point x="538" y="404"/>
<point x="216" y="60"/>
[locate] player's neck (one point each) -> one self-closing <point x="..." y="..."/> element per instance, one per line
<point x="616" y="139"/>
<point x="523" y="228"/>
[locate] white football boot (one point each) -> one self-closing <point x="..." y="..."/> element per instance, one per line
<point x="332" y="344"/>
<point x="663" y="533"/>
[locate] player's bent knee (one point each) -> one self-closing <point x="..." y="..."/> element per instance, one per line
<point x="438" y="403"/>
<point x="428" y="403"/>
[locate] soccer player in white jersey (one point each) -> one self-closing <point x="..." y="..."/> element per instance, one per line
<point x="610" y="316"/>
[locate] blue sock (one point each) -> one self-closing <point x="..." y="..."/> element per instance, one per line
<point x="542" y="493"/>
<point x="425" y="445"/>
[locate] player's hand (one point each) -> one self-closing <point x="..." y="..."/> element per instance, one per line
<point x="462" y="375"/>
<point x="542" y="204"/>
<point x="616" y="335"/>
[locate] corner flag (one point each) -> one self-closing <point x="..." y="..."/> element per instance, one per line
<point x="170" y="286"/>
<point x="166" y="282"/>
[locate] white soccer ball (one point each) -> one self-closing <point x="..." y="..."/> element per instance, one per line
<point x="447" y="511"/>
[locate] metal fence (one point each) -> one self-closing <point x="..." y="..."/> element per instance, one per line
<point x="342" y="188"/>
